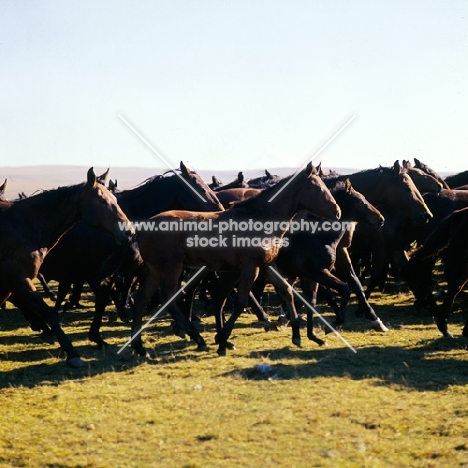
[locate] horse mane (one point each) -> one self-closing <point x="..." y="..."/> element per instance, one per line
<point x="140" y="189"/>
<point x="52" y="195"/>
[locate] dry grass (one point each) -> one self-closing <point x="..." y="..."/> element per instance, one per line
<point x="400" y="401"/>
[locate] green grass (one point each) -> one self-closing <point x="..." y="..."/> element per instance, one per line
<point x="400" y="401"/>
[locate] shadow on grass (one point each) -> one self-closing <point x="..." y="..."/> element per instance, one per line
<point x="424" y="368"/>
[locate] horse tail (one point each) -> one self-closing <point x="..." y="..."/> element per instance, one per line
<point x="439" y="239"/>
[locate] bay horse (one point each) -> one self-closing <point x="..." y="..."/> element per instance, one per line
<point x="81" y="252"/>
<point x="166" y="253"/>
<point x="30" y="228"/>
<point x="449" y="239"/>
<point x="313" y="256"/>
<point x="227" y="197"/>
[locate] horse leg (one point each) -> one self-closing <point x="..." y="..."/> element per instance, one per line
<point x="284" y="289"/>
<point x="75" y="296"/>
<point x="46" y="287"/>
<point x="62" y="291"/>
<point x="456" y="283"/>
<point x="28" y="299"/>
<point x="247" y="278"/>
<point x="171" y="284"/>
<point x="310" y="288"/>
<point x="142" y="297"/>
<point x="219" y="291"/>
<point x="346" y="273"/>
<point x="35" y="321"/>
<point x="101" y="296"/>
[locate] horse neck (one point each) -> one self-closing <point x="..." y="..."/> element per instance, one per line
<point x="373" y="185"/>
<point x="49" y="217"/>
<point x="147" y="200"/>
<point x="258" y="208"/>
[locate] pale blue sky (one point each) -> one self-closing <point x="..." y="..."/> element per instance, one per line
<point x="234" y="84"/>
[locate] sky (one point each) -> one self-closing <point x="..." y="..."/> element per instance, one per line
<point x="234" y="85"/>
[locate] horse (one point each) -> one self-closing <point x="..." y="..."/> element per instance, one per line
<point x="30" y="228"/>
<point x="388" y="245"/>
<point x="457" y="180"/>
<point x="312" y="256"/>
<point x="449" y="240"/>
<point x="236" y="183"/>
<point x="166" y="253"/>
<point x="233" y="195"/>
<point x="425" y="168"/>
<point x="441" y="205"/>
<point x="81" y="252"/>
<point x="268" y="180"/>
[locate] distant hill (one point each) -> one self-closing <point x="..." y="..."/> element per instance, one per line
<point x="32" y="178"/>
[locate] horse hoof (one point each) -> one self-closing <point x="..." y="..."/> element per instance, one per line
<point x="270" y="326"/>
<point x="297" y="342"/>
<point x="230" y="345"/>
<point x="203" y="348"/>
<point x="378" y="325"/>
<point x="75" y="363"/>
<point x="221" y="352"/>
<point x="282" y="321"/>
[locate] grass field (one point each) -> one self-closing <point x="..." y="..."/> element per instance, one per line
<point x="401" y="401"/>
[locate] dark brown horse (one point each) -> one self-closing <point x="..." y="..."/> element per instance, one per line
<point x="457" y="180"/>
<point x="428" y="170"/>
<point x="387" y="246"/>
<point x="313" y="256"/>
<point x="240" y="254"/>
<point x="450" y="239"/>
<point x="30" y="228"/>
<point x="239" y="182"/>
<point x="81" y="252"/>
<point x="441" y="205"/>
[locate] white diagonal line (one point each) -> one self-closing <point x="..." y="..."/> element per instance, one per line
<point x="313" y="157"/>
<point x="160" y="157"/>
<point x="161" y="309"/>
<point x="313" y="309"/>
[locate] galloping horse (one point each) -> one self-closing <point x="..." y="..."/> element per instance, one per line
<point x="30" y="228"/>
<point x="448" y="238"/>
<point x="81" y="252"/>
<point x="166" y="253"/>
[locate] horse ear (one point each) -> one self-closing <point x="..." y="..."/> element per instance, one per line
<point x="268" y="174"/>
<point x="348" y="186"/>
<point x="417" y="163"/>
<point x="3" y="186"/>
<point x="91" y="177"/>
<point x="102" y="179"/>
<point x="184" y="169"/>
<point x="396" y="167"/>
<point x="310" y="169"/>
<point x="213" y="179"/>
<point x="240" y="177"/>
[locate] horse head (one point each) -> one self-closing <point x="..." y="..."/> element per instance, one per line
<point x="354" y="206"/>
<point x="100" y="209"/>
<point x="196" y="192"/>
